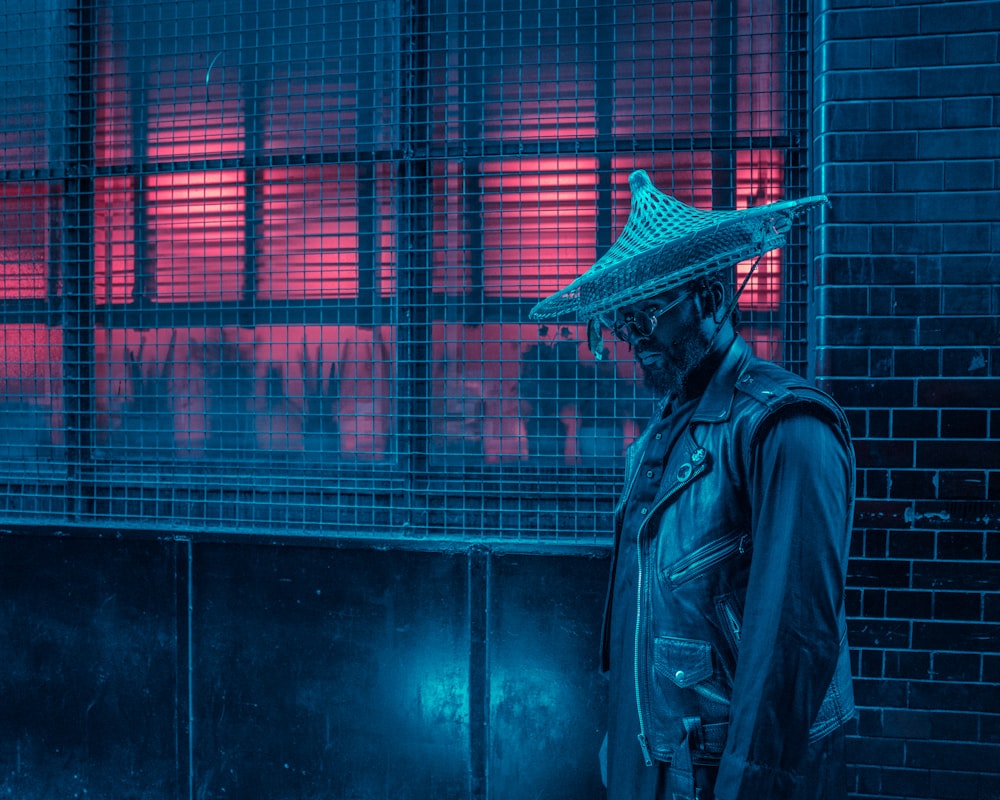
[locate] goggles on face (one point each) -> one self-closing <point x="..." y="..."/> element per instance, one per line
<point x="638" y="324"/>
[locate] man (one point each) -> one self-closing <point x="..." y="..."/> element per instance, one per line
<point x="724" y="636"/>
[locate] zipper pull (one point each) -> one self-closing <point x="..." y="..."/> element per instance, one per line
<point x="645" y="750"/>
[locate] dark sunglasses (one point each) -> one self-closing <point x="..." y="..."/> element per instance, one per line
<point x="639" y="324"/>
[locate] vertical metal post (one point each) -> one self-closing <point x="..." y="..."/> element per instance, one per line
<point x="473" y="112"/>
<point x="252" y="208"/>
<point x="723" y="104"/>
<point x="415" y="241"/>
<point x="78" y="317"/>
<point x="479" y="672"/>
<point x="604" y="92"/>
<point x="798" y="311"/>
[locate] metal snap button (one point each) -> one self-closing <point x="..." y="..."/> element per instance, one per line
<point x="679" y="676"/>
<point x="684" y="472"/>
<point x="698" y="455"/>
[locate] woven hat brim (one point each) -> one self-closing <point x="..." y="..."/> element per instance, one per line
<point x="729" y="238"/>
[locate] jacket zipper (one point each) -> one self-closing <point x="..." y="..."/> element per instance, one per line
<point x="638" y="622"/>
<point x="708" y="556"/>
<point x="735" y="628"/>
<point x="643" y="744"/>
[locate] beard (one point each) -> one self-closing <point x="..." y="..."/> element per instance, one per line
<point x="678" y="361"/>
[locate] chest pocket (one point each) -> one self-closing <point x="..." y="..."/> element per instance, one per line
<point x="707" y="557"/>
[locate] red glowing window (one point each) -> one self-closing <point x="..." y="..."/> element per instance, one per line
<point x="760" y="180"/>
<point x="31" y="363"/>
<point x="309" y="243"/>
<point x="539" y="224"/>
<point x="663" y="73"/>
<point x="31" y="393"/>
<point x="760" y="68"/>
<point x="540" y="73"/>
<point x="311" y="112"/>
<point x="114" y="239"/>
<point x="196" y="231"/>
<point x="198" y="393"/>
<point x="452" y="236"/>
<point x="112" y="138"/>
<point x="508" y="393"/>
<point x="25" y="210"/>
<point x="193" y="117"/>
<point x="765" y="341"/>
<point x="385" y="229"/>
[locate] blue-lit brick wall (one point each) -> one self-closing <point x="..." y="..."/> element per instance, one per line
<point x="906" y="143"/>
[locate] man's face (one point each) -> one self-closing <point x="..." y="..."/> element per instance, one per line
<point x="675" y="346"/>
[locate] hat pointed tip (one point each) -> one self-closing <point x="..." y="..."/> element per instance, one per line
<point x="638" y="179"/>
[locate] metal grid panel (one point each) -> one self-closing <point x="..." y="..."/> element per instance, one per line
<point x="267" y="267"/>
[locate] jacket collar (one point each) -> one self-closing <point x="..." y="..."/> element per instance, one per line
<point x="717" y="400"/>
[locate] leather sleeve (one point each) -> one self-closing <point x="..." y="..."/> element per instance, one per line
<point x="799" y="486"/>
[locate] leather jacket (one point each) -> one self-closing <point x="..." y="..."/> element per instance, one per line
<point x="698" y="635"/>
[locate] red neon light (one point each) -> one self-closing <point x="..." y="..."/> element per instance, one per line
<point x="197" y="234"/>
<point x="539" y="224"/>
<point x="760" y="68"/>
<point x="114" y="240"/>
<point x="24" y="240"/>
<point x="664" y="84"/>
<point x="114" y="129"/>
<point x="760" y="180"/>
<point x="194" y="118"/>
<point x="309" y="243"/>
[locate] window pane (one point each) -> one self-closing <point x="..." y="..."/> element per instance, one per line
<point x="26" y="231"/>
<point x="313" y="392"/>
<point x="663" y="68"/>
<point x="309" y="239"/>
<point x="31" y="421"/>
<point x="114" y="239"/>
<point x="532" y="395"/>
<point x="759" y="181"/>
<point x="196" y="235"/>
<point x="539" y="224"/>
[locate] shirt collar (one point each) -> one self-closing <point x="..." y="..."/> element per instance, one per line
<point x="717" y="399"/>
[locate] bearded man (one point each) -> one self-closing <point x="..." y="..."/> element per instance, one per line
<point x="724" y="635"/>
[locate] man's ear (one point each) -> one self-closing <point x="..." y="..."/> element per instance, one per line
<point x="716" y="296"/>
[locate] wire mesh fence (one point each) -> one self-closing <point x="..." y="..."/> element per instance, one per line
<point x="266" y="266"/>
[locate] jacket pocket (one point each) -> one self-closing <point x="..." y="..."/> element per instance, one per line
<point x="689" y="664"/>
<point x="685" y="662"/>
<point x="707" y="557"/>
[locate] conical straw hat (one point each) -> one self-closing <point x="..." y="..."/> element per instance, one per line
<point x="667" y="243"/>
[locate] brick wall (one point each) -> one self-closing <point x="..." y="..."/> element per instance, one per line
<point x="906" y="144"/>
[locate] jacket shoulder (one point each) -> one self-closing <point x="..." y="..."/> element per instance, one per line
<point x="768" y="383"/>
<point x="778" y="389"/>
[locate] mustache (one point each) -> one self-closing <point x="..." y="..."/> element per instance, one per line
<point x="651" y="346"/>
